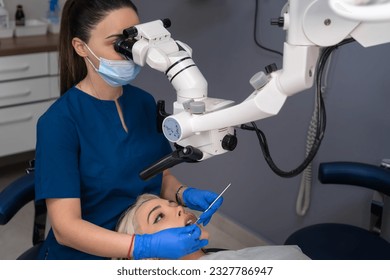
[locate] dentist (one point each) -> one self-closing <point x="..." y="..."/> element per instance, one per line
<point x="96" y="138"/>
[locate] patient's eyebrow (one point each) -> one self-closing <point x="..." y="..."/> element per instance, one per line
<point x="151" y="211"/>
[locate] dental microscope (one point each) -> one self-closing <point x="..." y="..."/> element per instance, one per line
<point x="201" y="126"/>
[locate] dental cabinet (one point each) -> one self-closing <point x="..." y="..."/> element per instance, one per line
<point x="29" y="84"/>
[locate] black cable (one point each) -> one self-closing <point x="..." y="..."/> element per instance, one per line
<point x="258" y="43"/>
<point x="321" y="119"/>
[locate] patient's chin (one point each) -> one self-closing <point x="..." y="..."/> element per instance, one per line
<point x="204" y="233"/>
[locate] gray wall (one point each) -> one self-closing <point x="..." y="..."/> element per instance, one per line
<point x="221" y="35"/>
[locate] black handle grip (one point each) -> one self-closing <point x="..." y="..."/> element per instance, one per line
<point x="187" y="154"/>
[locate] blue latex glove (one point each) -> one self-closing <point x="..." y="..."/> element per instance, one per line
<point x="172" y="243"/>
<point x="200" y="200"/>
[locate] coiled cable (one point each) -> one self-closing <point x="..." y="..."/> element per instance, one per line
<point x="320" y="115"/>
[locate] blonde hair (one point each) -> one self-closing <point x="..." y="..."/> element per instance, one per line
<point x="126" y="223"/>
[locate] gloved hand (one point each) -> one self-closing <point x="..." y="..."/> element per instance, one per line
<point x="172" y="243"/>
<point x="200" y="200"/>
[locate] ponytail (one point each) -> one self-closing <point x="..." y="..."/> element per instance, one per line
<point x="72" y="66"/>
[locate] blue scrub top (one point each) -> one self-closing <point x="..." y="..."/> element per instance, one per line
<point x="83" y="152"/>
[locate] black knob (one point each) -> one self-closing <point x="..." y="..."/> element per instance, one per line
<point x="271" y="68"/>
<point x="229" y="142"/>
<point x="278" y="21"/>
<point x="167" y="22"/>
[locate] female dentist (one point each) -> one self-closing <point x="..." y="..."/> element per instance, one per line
<point x="96" y="138"/>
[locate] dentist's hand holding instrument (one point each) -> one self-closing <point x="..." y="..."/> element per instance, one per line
<point x="205" y="201"/>
<point x="202" y="216"/>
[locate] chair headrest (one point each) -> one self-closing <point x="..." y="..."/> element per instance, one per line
<point x="355" y="174"/>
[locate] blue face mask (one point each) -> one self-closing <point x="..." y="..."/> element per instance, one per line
<point x="116" y="72"/>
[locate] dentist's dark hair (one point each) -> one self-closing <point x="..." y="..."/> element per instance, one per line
<point x="78" y="18"/>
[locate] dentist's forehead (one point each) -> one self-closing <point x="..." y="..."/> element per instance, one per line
<point x="116" y="21"/>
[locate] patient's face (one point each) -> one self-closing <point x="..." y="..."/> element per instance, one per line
<point x="159" y="214"/>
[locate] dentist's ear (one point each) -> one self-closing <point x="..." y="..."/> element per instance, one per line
<point x="79" y="47"/>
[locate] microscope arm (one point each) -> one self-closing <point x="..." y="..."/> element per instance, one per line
<point x="270" y="93"/>
<point x="310" y="25"/>
<point x="207" y="124"/>
<point x="362" y="10"/>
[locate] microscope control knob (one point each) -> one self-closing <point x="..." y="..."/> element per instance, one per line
<point x="259" y="80"/>
<point x="229" y="142"/>
<point x="166" y="22"/>
<point x="271" y="68"/>
<point x="278" y="21"/>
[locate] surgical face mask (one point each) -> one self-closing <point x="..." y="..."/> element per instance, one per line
<point x="115" y="72"/>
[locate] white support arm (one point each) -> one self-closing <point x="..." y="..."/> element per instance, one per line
<point x="206" y="123"/>
<point x="296" y="76"/>
<point x="362" y="10"/>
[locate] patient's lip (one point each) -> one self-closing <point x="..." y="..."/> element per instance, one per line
<point x="190" y="219"/>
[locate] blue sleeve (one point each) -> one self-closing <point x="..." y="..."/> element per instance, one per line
<point x="56" y="162"/>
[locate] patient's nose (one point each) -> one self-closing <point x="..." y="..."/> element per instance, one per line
<point x="180" y="211"/>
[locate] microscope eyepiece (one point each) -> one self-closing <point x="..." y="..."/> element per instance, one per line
<point x="124" y="45"/>
<point x="130" y="32"/>
<point x="125" y="42"/>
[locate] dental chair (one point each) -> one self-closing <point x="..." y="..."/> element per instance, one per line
<point x="333" y="241"/>
<point x="13" y="198"/>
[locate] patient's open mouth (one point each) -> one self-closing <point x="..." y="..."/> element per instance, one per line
<point x="190" y="219"/>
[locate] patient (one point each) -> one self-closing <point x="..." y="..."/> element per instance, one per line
<point x="151" y="214"/>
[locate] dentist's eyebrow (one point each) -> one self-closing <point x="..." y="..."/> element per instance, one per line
<point x="154" y="209"/>
<point x="114" y="35"/>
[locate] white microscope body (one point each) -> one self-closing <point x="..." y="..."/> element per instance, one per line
<point x="207" y="123"/>
<point x="363" y="10"/>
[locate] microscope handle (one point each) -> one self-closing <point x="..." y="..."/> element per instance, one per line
<point x="187" y="154"/>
